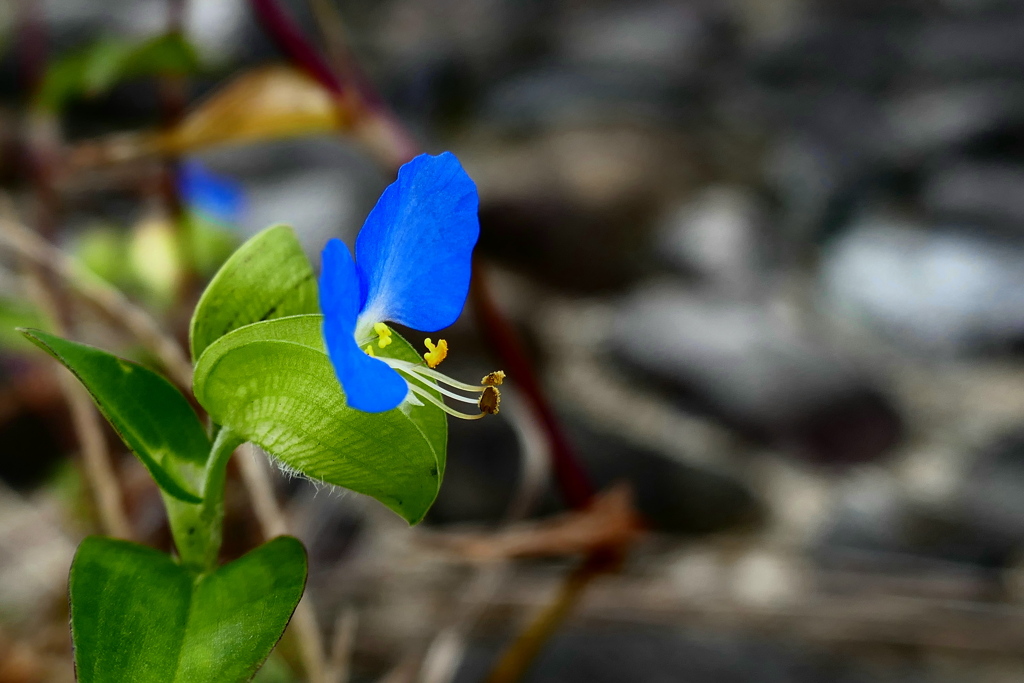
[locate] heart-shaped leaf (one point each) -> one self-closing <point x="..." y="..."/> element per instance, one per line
<point x="268" y="277"/>
<point x="137" y="616"/>
<point x="153" y="418"/>
<point x="273" y="383"/>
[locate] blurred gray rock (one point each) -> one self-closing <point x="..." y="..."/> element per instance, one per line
<point x="855" y="54"/>
<point x="830" y="142"/>
<point x="487" y="36"/>
<point x="757" y="371"/>
<point x="977" y="527"/>
<point x="979" y="7"/>
<point x="945" y="118"/>
<point x="937" y="291"/>
<point x="984" y="192"/>
<point x="720" y="235"/>
<point x="876" y="530"/>
<point x="807" y="175"/>
<point x="666" y="36"/>
<point x="674" y="497"/>
<point x="969" y="47"/>
<point x="558" y="95"/>
<point x="574" y="207"/>
<point x="991" y="496"/>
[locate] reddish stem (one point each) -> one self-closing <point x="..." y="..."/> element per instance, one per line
<point x="286" y="34"/>
<point x="504" y="339"/>
<point x="32" y="45"/>
<point x="361" y="97"/>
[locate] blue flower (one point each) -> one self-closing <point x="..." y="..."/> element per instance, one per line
<point x="217" y="197"/>
<point x="412" y="266"/>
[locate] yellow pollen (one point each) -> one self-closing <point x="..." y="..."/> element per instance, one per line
<point x="435" y="353"/>
<point x="384" y="334"/>
<point x="369" y="351"/>
<point x="494" y="379"/>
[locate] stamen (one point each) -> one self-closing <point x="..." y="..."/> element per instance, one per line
<point x="417" y="374"/>
<point x="383" y="334"/>
<point x="425" y="375"/>
<point x="446" y="392"/>
<point x="427" y="396"/>
<point x="436" y="353"/>
<point x="432" y="374"/>
<point x="369" y="351"/>
<point x="490" y="401"/>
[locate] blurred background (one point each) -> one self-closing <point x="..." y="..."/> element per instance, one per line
<point x="767" y="255"/>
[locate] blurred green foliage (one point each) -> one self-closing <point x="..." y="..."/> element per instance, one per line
<point x="96" y="68"/>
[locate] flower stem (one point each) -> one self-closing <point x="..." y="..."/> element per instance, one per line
<point x="198" y="527"/>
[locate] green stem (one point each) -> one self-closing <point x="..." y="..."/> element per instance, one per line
<point x="198" y="528"/>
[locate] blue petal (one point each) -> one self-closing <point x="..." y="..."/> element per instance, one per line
<point x="415" y="249"/>
<point x="215" y="196"/>
<point x="370" y="385"/>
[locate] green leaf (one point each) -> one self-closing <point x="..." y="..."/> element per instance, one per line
<point x="102" y="65"/>
<point x="108" y="61"/>
<point x="268" y="277"/>
<point x="137" y="616"/>
<point x="273" y="383"/>
<point x="152" y="417"/>
<point x="129" y="611"/>
<point x="168" y="54"/>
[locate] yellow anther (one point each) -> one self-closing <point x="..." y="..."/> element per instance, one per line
<point x="369" y="351"/>
<point x="494" y="379"/>
<point x="384" y="334"/>
<point x="435" y="353"/>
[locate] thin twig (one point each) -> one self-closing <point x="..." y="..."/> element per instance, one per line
<point x="106" y="297"/>
<point x="446" y="651"/>
<point x="811" y="612"/>
<point x="339" y="666"/>
<point x="43" y="136"/>
<point x="404" y="671"/>
<point x="256" y="475"/>
<point x="516" y="660"/>
<point x="99" y="470"/>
